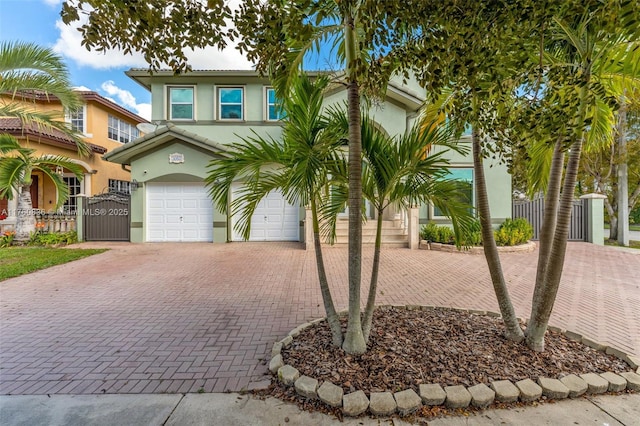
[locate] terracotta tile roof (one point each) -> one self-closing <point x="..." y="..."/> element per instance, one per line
<point x="14" y="127"/>
<point x="87" y="95"/>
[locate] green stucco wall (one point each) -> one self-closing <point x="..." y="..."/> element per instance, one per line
<point x="155" y="167"/>
<point x="393" y="116"/>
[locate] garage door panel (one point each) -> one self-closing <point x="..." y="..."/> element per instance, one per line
<point x="190" y="204"/>
<point x="156" y="204"/>
<point x="171" y="204"/>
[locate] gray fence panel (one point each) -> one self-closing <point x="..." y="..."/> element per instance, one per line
<point x="107" y="218"/>
<point x="533" y="211"/>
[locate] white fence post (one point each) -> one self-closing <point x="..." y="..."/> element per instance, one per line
<point x="595" y="218"/>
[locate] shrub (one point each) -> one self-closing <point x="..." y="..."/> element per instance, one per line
<point x="437" y="234"/>
<point x="474" y="236"/>
<point x="445" y="235"/>
<point x="429" y="232"/>
<point x="52" y="238"/>
<point x="513" y="232"/>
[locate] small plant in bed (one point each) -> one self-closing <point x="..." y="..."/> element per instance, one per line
<point x="511" y="232"/>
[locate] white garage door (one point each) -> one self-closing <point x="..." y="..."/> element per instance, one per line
<point x="274" y="220"/>
<point x="179" y="212"/>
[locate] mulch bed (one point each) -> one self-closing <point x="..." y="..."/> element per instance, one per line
<point x="444" y="346"/>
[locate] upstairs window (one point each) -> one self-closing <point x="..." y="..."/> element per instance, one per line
<point x="121" y="131"/>
<point x="181" y="103"/>
<point x="273" y="108"/>
<point x="76" y="118"/>
<point x="231" y="103"/>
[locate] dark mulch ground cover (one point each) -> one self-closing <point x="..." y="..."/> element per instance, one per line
<point x="448" y="347"/>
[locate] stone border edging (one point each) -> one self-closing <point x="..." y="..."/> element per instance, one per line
<point x="480" y="396"/>
<point x="522" y="248"/>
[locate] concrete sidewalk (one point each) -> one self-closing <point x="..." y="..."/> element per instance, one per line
<point x="230" y="409"/>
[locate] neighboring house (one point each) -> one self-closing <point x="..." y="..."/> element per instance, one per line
<point x="198" y="113"/>
<point x="105" y="126"/>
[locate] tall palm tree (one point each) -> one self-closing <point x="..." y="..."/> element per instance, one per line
<point x="405" y="171"/>
<point x="16" y="165"/>
<point x="289" y="33"/>
<point x="436" y="113"/>
<point x="585" y="50"/>
<point x="299" y="165"/>
<point x="26" y="68"/>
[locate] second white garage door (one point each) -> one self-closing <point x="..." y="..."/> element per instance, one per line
<point x="179" y="212"/>
<point x="274" y="220"/>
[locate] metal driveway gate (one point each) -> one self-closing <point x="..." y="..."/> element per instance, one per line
<point x="533" y="211"/>
<point x="106" y="217"/>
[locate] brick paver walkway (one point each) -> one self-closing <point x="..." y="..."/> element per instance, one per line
<point x="155" y="318"/>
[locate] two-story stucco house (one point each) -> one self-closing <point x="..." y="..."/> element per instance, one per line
<point x="198" y="113"/>
<point x="105" y="126"/>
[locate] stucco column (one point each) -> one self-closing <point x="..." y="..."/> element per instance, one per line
<point x="413" y="228"/>
<point x="308" y="229"/>
<point x="595" y="218"/>
<point x="80" y="206"/>
<point x="86" y="184"/>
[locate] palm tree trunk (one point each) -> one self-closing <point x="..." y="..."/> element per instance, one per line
<point x="549" y="222"/>
<point x="623" y="176"/>
<point x="354" y="342"/>
<point x="329" y="307"/>
<point x="373" y="285"/>
<point x="25" y="220"/>
<point x="512" y="328"/>
<point x="551" y="281"/>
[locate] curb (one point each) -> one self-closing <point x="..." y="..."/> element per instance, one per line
<point x="479" y="395"/>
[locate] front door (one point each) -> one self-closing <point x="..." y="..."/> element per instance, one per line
<point x="34" y="191"/>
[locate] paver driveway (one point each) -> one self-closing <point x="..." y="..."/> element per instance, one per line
<point x="152" y="318"/>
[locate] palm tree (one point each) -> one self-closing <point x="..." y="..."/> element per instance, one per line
<point x="587" y="52"/>
<point x="16" y="165"/>
<point x="26" y="68"/>
<point x="299" y="165"/>
<point x="289" y="32"/>
<point x="436" y="113"/>
<point x="404" y="172"/>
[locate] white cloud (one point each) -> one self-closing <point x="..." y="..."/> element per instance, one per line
<point x="52" y="3"/>
<point x="69" y="44"/>
<point x="82" y="88"/>
<point x="125" y="98"/>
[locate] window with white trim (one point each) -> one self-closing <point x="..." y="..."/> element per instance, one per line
<point x="464" y="176"/>
<point x="76" y="118"/>
<point x="122" y="186"/>
<point x="230" y="103"/>
<point x="75" y="187"/>
<point x="121" y="131"/>
<point x="273" y="106"/>
<point x="181" y="102"/>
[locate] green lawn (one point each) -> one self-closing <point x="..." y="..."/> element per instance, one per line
<point x="16" y="261"/>
<point x="633" y="227"/>
<point x="632" y="244"/>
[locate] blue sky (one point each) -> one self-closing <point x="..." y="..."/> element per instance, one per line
<point x="39" y="21"/>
